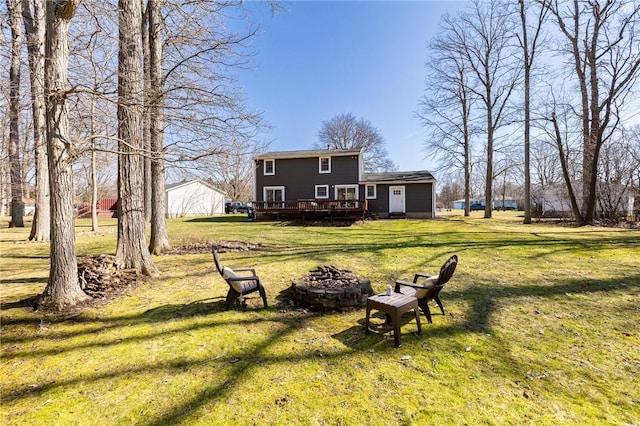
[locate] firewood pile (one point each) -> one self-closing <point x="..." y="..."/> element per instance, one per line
<point x="100" y="277"/>
<point x="329" y="276"/>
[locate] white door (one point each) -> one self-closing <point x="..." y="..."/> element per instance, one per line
<point x="396" y="199"/>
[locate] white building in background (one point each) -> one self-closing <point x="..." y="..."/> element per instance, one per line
<point x="194" y="198"/>
<point x="459" y="204"/>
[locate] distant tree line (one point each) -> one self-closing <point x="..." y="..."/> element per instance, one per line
<point x="543" y="94"/>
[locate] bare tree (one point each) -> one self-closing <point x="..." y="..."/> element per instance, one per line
<point x="195" y="103"/>
<point x="232" y="172"/>
<point x="485" y="36"/>
<point x="93" y="65"/>
<point x="563" y="151"/>
<point x="204" y="107"/>
<point x="602" y="40"/>
<point x="4" y="167"/>
<point x="345" y="131"/>
<point x="633" y="138"/>
<point x="198" y="116"/>
<point x="63" y="287"/>
<point x="96" y="178"/>
<point x="146" y="122"/>
<point x="33" y="14"/>
<point x="450" y="192"/>
<point x="546" y="173"/>
<point x="446" y="107"/>
<point x="616" y="174"/>
<point x="159" y="237"/>
<point x="5" y="180"/>
<point x="529" y="50"/>
<point x="17" y="204"/>
<point x="132" y="251"/>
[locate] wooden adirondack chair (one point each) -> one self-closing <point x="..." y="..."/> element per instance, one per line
<point x="429" y="288"/>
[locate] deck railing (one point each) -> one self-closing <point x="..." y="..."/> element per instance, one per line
<point x="275" y="206"/>
<point x="310" y="206"/>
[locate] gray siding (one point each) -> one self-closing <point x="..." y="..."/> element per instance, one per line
<point x="418" y="198"/>
<point x="299" y="176"/>
<point x="381" y="203"/>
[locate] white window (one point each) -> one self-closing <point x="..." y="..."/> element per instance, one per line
<point x="322" y="191"/>
<point x="273" y="194"/>
<point x="324" y="165"/>
<point x="269" y="167"/>
<point x="346" y="192"/>
<point x="370" y="191"/>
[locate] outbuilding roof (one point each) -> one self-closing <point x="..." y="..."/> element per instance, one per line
<point x="176" y="185"/>
<point x="419" y="176"/>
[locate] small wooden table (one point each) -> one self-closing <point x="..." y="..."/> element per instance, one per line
<point x="394" y="305"/>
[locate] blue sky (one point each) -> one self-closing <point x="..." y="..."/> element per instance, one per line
<point x="320" y="59"/>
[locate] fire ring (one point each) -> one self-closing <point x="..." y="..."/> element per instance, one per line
<point x="328" y="287"/>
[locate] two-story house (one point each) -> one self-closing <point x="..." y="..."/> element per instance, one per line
<point x="332" y="182"/>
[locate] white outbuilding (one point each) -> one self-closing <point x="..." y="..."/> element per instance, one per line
<point x="194" y="198"/>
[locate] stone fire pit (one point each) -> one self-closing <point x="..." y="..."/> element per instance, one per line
<point x="328" y="287"/>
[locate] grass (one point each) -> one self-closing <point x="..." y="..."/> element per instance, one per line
<point x="542" y="327"/>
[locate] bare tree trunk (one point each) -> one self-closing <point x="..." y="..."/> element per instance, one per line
<point x="94" y="167"/>
<point x="34" y="24"/>
<point x="3" y="190"/>
<point x="488" y="189"/>
<point x="603" y="42"/>
<point x="529" y="50"/>
<point x="132" y="251"/>
<point x="94" y="184"/>
<point x="565" y="169"/>
<point x="159" y="237"/>
<point x="63" y="287"/>
<point x="467" y="149"/>
<point x="148" y="203"/>
<point x="485" y="41"/>
<point x="17" y="203"/>
<point x="527" y="115"/>
<point x="27" y="158"/>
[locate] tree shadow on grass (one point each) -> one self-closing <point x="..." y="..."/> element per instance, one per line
<point x="241" y="360"/>
<point x="485" y="300"/>
<point x="196" y="308"/>
<point x="31" y="280"/>
<point x="380" y="332"/>
<point x="28" y="302"/>
<point x="241" y="363"/>
<point x="439" y="247"/>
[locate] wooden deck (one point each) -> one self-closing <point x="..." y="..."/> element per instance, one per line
<point x="311" y="209"/>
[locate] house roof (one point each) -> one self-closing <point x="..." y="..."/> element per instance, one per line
<point x="420" y="176"/>
<point x="172" y="186"/>
<point x="308" y="153"/>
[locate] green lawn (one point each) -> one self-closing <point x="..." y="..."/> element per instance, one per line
<point x="542" y="327"/>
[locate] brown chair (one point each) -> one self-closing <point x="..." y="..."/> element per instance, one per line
<point x="239" y="285"/>
<point x="430" y="288"/>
